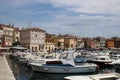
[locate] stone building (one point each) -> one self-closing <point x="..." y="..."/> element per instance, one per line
<point x="32" y="38"/>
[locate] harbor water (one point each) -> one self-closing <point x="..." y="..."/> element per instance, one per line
<point x="23" y="72"/>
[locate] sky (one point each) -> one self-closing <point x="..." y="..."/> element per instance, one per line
<point x="83" y="18"/>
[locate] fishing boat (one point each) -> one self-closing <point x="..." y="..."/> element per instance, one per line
<point x="64" y="64"/>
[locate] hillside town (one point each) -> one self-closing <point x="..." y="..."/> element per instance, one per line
<point x="35" y="39"/>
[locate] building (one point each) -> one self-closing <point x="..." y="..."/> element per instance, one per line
<point x="91" y="43"/>
<point x="116" y="42"/>
<point x="110" y="43"/>
<point x="102" y="42"/>
<point x="49" y="45"/>
<point x="59" y="42"/>
<point x="7" y="36"/>
<point x="33" y="38"/>
<point x="1" y="34"/>
<point x="70" y="42"/>
<point x="97" y="44"/>
<point x="16" y="36"/>
<point x="80" y="43"/>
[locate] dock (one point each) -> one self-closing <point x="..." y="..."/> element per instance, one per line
<point x="5" y="71"/>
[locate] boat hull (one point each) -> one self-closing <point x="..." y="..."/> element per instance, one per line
<point x="117" y="67"/>
<point x="101" y="64"/>
<point x="59" y="69"/>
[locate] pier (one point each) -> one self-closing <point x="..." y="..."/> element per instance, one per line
<point x="5" y="71"/>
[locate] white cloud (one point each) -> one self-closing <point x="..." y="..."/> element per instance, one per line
<point x="94" y="16"/>
<point x="86" y="6"/>
<point x="89" y="6"/>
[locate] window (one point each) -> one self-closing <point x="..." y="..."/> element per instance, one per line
<point x="35" y="35"/>
<point x="102" y="58"/>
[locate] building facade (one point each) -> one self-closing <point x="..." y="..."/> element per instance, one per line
<point x="116" y="42"/>
<point x="110" y="43"/>
<point x="1" y="34"/>
<point x="80" y="43"/>
<point x="59" y="42"/>
<point x="49" y="45"/>
<point x="16" y="35"/>
<point x="70" y="42"/>
<point x="7" y="35"/>
<point x="33" y="38"/>
<point x="102" y="42"/>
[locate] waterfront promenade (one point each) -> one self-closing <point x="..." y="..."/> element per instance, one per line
<point x="5" y="71"/>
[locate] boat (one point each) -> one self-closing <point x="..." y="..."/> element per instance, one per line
<point x="101" y="61"/>
<point x="109" y="76"/>
<point x="116" y="64"/>
<point x="115" y="57"/>
<point x="64" y="64"/>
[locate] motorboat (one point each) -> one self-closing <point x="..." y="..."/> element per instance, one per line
<point x="64" y="64"/>
<point x="116" y="56"/>
<point x="116" y="64"/>
<point x="101" y="61"/>
<point x="108" y="76"/>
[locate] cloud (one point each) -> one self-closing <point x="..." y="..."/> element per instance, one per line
<point x="85" y="26"/>
<point x="86" y="6"/>
<point x="80" y="17"/>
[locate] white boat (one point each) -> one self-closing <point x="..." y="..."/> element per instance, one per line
<point x="109" y="76"/>
<point x="101" y="61"/>
<point x="65" y="64"/>
<point x="116" y="64"/>
<point x="116" y="56"/>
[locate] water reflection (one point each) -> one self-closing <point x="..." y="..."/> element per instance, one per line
<point x="49" y="76"/>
